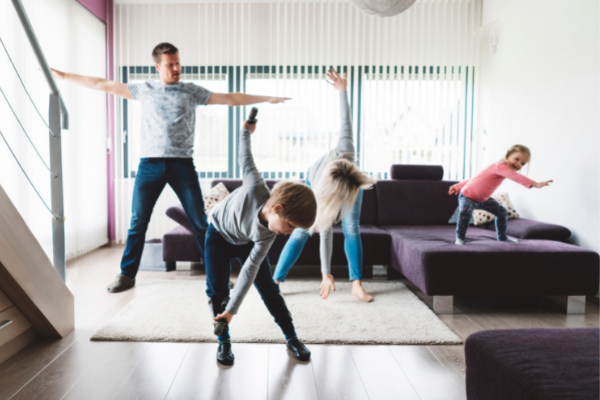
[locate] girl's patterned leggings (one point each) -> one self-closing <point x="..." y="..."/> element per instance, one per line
<point x="467" y="205"/>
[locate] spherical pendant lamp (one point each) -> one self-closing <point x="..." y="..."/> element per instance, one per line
<point x="383" y="8"/>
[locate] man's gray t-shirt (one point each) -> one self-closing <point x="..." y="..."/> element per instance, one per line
<point x="237" y="220"/>
<point x="168" y="117"/>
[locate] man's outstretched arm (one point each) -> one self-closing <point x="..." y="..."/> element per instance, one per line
<point x="104" y="85"/>
<point x="242" y="99"/>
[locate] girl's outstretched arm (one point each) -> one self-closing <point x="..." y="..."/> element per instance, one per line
<point x="541" y="184"/>
<point x="504" y="170"/>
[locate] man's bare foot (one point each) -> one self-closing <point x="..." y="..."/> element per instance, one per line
<point x="359" y="291"/>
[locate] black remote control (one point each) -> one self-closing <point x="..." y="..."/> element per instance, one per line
<point x="252" y="116"/>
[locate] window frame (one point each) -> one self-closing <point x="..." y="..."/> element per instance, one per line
<point x="237" y="77"/>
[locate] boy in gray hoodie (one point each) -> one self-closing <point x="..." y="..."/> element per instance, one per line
<point x="243" y="227"/>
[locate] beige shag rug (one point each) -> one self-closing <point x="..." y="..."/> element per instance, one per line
<point x="177" y="311"/>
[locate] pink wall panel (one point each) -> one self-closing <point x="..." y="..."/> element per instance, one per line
<point x="96" y="7"/>
<point x="110" y="161"/>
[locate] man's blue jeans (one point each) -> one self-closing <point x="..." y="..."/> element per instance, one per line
<point x="152" y="177"/>
<point x="352" y="245"/>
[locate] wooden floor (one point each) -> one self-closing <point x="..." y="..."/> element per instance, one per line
<point x="76" y="368"/>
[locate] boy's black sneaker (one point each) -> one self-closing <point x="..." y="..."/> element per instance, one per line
<point x="224" y="354"/>
<point x="298" y="349"/>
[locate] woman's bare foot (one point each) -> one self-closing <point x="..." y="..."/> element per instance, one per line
<point x="359" y="291"/>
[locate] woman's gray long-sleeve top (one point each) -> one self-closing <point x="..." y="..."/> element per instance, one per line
<point x="345" y="148"/>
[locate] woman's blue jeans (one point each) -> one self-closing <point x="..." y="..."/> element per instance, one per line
<point x="352" y="245"/>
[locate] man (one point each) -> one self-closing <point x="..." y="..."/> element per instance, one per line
<point x="168" y="125"/>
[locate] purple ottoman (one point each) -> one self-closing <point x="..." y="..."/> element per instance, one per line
<point x="533" y="364"/>
<point x="180" y="243"/>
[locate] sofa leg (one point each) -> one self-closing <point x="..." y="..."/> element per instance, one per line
<point x="443" y="304"/>
<point x="392" y="273"/>
<point x="575" y="305"/>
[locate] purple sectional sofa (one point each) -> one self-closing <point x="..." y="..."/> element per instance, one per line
<point x="533" y="364"/>
<point x="404" y="225"/>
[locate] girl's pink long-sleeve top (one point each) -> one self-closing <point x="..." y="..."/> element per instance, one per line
<point x="481" y="187"/>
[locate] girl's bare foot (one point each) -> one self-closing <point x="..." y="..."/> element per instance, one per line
<point x="359" y="291"/>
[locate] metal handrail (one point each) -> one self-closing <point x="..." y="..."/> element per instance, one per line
<point x="55" y="109"/>
<point x="41" y="59"/>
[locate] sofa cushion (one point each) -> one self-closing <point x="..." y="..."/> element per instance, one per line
<point x="368" y="214"/>
<point x="177" y="214"/>
<point x="417" y="172"/>
<point x="411" y="202"/>
<point x="180" y="245"/>
<point x="376" y="245"/>
<point x="527" y="229"/>
<point x="428" y="257"/>
<point x="533" y="364"/>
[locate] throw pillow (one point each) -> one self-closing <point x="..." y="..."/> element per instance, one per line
<point x="483" y="217"/>
<point x="216" y="195"/>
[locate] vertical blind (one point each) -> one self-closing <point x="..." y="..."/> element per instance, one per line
<point x="73" y="40"/>
<point x="411" y="84"/>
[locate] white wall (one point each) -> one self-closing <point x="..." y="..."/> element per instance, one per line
<point x="540" y="89"/>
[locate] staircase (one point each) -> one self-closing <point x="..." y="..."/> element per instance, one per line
<point x="34" y="301"/>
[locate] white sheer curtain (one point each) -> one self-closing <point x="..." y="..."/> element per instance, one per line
<point x="73" y="40"/>
<point x="411" y="83"/>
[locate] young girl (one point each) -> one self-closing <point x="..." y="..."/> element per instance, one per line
<point x="475" y="193"/>
<point x="339" y="184"/>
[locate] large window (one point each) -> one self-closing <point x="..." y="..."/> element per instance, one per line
<point x="413" y="115"/>
<point x="401" y="115"/>
<point x="291" y="136"/>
